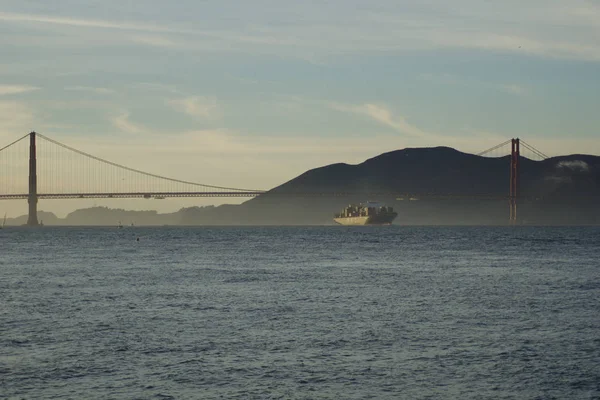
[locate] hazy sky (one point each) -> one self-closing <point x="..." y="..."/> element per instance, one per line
<point x="253" y="93"/>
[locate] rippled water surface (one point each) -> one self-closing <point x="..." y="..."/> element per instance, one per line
<point x="300" y="312"/>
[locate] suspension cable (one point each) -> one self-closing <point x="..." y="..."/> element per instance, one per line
<point x="142" y="172"/>
<point x="534" y="150"/>
<point x="18" y="140"/>
<point x="494" y="148"/>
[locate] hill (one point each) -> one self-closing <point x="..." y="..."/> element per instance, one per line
<point x="446" y="185"/>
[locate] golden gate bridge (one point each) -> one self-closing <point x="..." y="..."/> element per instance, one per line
<point x="48" y="169"/>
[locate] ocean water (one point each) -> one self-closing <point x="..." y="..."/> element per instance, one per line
<point x="300" y="313"/>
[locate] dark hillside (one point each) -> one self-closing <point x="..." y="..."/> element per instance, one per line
<point x="446" y="186"/>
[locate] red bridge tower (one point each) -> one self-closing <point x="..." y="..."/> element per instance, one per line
<point x="32" y="198"/>
<point x="514" y="180"/>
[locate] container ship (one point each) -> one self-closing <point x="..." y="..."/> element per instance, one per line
<point x="369" y="214"/>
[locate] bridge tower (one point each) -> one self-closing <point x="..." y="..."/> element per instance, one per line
<point x="514" y="180"/>
<point x="32" y="199"/>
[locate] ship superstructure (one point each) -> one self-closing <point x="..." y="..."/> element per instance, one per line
<point x="365" y="214"/>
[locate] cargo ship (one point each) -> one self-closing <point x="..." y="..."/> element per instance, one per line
<point x="369" y="214"/>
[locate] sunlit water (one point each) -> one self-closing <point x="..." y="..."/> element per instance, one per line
<point x="297" y="312"/>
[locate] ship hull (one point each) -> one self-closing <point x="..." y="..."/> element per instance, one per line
<point x="383" y="219"/>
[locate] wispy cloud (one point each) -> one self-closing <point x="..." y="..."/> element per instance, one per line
<point x="574" y="165"/>
<point x="444" y="79"/>
<point x="414" y="136"/>
<point x="226" y="144"/>
<point x="15" y="89"/>
<point x="96" y="90"/>
<point x="84" y="23"/>
<point x="514" y="89"/>
<point x="383" y="115"/>
<point x="524" y="44"/>
<point x="448" y="79"/>
<point x="153" y="29"/>
<point x="155" y="41"/>
<point x="123" y="123"/>
<point x="196" y="106"/>
<point x="541" y="29"/>
<point x="155" y="87"/>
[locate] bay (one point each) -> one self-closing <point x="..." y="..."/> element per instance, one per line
<point x="300" y="312"/>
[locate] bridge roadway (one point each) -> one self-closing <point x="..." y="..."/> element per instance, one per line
<point x="164" y="195"/>
<point x="130" y="195"/>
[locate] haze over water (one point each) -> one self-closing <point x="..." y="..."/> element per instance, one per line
<point x="300" y="312"/>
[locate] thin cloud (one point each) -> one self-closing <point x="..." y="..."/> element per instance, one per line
<point x="384" y="116"/>
<point x="141" y="27"/>
<point x="574" y="165"/>
<point x="224" y="143"/>
<point x="413" y="136"/>
<point x="524" y="44"/>
<point x="96" y="90"/>
<point x="15" y="89"/>
<point x="84" y="23"/>
<point x="155" y="87"/>
<point x="448" y="79"/>
<point x="444" y="79"/>
<point x="154" y="41"/>
<point x="545" y="30"/>
<point x="513" y="89"/>
<point x="123" y="123"/>
<point x="197" y="106"/>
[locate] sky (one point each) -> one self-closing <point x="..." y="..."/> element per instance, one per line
<point x="252" y="94"/>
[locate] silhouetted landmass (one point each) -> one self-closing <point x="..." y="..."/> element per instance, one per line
<point x="46" y="218"/>
<point x="425" y="185"/>
<point x="447" y="187"/>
